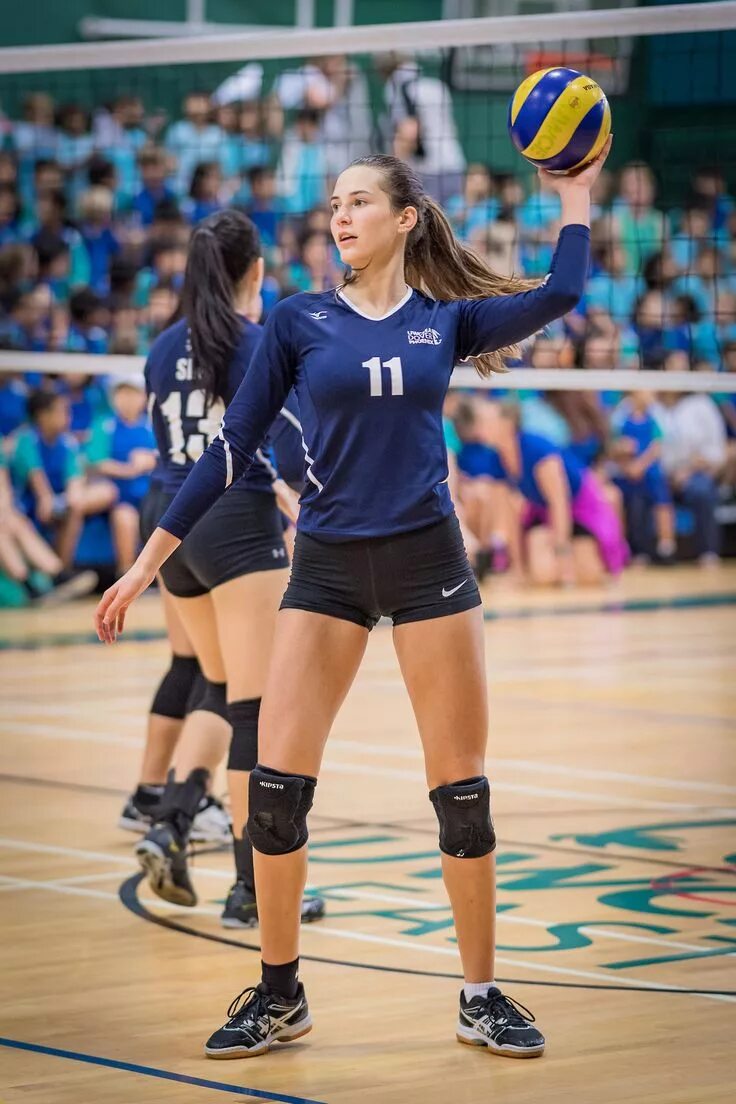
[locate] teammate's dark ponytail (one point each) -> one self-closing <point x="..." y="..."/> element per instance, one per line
<point x="436" y="262"/>
<point x="222" y="249"/>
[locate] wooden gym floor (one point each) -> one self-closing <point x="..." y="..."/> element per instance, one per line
<point x="614" y="779"/>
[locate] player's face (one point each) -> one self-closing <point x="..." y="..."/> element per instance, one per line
<point x="363" y="225"/>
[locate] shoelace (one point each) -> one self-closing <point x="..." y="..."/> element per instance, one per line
<point x="516" y="1013"/>
<point x="253" y="1007"/>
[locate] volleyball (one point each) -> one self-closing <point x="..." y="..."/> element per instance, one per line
<point x="559" y="119"/>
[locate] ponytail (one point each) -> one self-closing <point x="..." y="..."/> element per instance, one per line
<point x="439" y="264"/>
<point x="222" y="249"/>
<point x="436" y="262"/>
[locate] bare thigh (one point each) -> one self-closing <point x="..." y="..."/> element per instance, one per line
<point x="178" y="639"/>
<point x="314" y="661"/>
<point x="245" y="612"/>
<point x="589" y="567"/>
<point x="197" y="616"/>
<point x="443" y="665"/>
<point x="540" y="556"/>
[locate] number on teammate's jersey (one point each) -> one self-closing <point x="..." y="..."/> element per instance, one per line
<point x="397" y="375"/>
<point x="190" y="446"/>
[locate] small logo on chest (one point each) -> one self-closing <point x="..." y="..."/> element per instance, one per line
<point x="424" y="337"/>
<point x="319" y="315"/>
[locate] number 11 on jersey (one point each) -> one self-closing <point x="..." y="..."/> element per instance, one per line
<point x="397" y="376"/>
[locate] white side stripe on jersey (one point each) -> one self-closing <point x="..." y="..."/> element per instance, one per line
<point x="292" y="420"/>
<point x="228" y="456"/>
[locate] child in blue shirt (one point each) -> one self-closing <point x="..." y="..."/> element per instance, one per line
<point x="636" y="450"/>
<point x="122" y="448"/>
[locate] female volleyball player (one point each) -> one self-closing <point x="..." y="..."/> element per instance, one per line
<point x="377" y="534"/>
<point x="225" y="582"/>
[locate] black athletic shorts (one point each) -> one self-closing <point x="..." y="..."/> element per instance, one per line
<point x="242" y="533"/>
<point x="408" y="577"/>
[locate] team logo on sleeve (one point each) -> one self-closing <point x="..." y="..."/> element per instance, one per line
<point x="424" y="337"/>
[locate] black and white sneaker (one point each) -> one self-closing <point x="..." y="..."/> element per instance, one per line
<point x="241" y="911"/>
<point x="162" y="854"/>
<point x="499" y="1023"/>
<point x="264" y="1018"/>
<point x="138" y="812"/>
<point x="212" y="822"/>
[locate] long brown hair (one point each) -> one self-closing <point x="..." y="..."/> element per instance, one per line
<point x="436" y="263"/>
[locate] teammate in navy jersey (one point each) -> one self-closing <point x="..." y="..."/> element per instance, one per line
<point x="376" y="535"/>
<point x="226" y="580"/>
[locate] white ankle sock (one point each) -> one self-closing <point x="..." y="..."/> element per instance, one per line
<point x="476" y="989"/>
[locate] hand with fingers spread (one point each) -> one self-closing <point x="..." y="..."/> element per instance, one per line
<point x="113" y="606"/>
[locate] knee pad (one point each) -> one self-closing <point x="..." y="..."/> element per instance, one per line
<point x="243" y="755"/>
<point x="170" y="700"/>
<point x="210" y="697"/>
<point x="277" y="810"/>
<point x="464" y="812"/>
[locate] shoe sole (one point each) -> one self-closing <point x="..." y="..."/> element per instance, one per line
<point x="78" y="587"/>
<point x="157" y="869"/>
<point x="470" y="1038"/>
<point x="255" y="1052"/>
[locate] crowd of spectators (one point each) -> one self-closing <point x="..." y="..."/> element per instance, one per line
<point x="96" y="208"/>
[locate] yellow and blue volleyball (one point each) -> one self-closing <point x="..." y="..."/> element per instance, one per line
<point x="559" y="119"/>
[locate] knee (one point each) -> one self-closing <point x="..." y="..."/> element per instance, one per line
<point x="209" y="697"/>
<point x="464" y="813"/>
<point x="278" y="805"/>
<point x="176" y="687"/>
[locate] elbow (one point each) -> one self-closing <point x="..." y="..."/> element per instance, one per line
<point x="565" y="298"/>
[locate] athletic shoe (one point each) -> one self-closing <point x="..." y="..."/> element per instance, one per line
<point x="499" y="1023"/>
<point x="241" y="911"/>
<point x="212" y="822"/>
<point x="66" y="586"/>
<point x="162" y="854"/>
<point x="263" y="1019"/>
<point x="135" y="817"/>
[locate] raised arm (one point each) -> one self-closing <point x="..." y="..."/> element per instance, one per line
<point x="488" y="324"/>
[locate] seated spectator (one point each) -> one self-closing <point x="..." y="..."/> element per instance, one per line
<point x="153" y="164"/>
<point x="612" y="287"/>
<point x="10" y="208"/>
<point x="48" y="176"/>
<point x="26" y="558"/>
<point x="51" y="218"/>
<point x="13" y="400"/>
<point x="317" y="268"/>
<point x="28" y="320"/>
<point x="706" y="281"/>
<point x="18" y="268"/>
<point x="89" y="320"/>
<point x="167" y="262"/>
<point x="156" y="315"/>
<point x="636" y="451"/>
<point x="693" y="457"/>
<point x="193" y="139"/>
<point x="695" y="230"/>
<point x="74" y="148"/>
<point x="119" y="135"/>
<point x="54" y="264"/>
<point x="692" y="332"/>
<point x="47" y="474"/>
<point x="34" y="139"/>
<point x="205" y="192"/>
<point x="634" y="220"/>
<point x="709" y="189"/>
<point x="650" y="326"/>
<point x="88" y="402"/>
<point x="101" y="242"/>
<point x="122" y="448"/>
<point x="8" y="169"/>
<point x="538" y="219"/>
<point x="572" y="533"/>
<point x="302" y="168"/>
<point x="476" y="205"/>
<point x="537" y="413"/>
<point x="264" y="207"/>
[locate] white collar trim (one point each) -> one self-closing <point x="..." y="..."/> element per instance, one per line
<point x="371" y="317"/>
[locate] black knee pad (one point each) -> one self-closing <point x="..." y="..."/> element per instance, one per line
<point x="277" y="810"/>
<point x="243" y="715"/>
<point x="211" y="698"/>
<point x="170" y="700"/>
<point x="464" y="812"/>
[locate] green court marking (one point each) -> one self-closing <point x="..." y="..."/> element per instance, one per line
<point x="629" y="605"/>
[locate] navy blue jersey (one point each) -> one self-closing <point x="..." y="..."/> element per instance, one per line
<point x="184" y="423"/>
<point x="370" y="395"/>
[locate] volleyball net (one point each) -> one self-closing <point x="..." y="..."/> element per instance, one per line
<point x="112" y="151"/>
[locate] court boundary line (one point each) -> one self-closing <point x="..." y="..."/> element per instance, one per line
<point x="520" y="613"/>
<point x="152" y="1071"/>
<point x="128" y="894"/>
